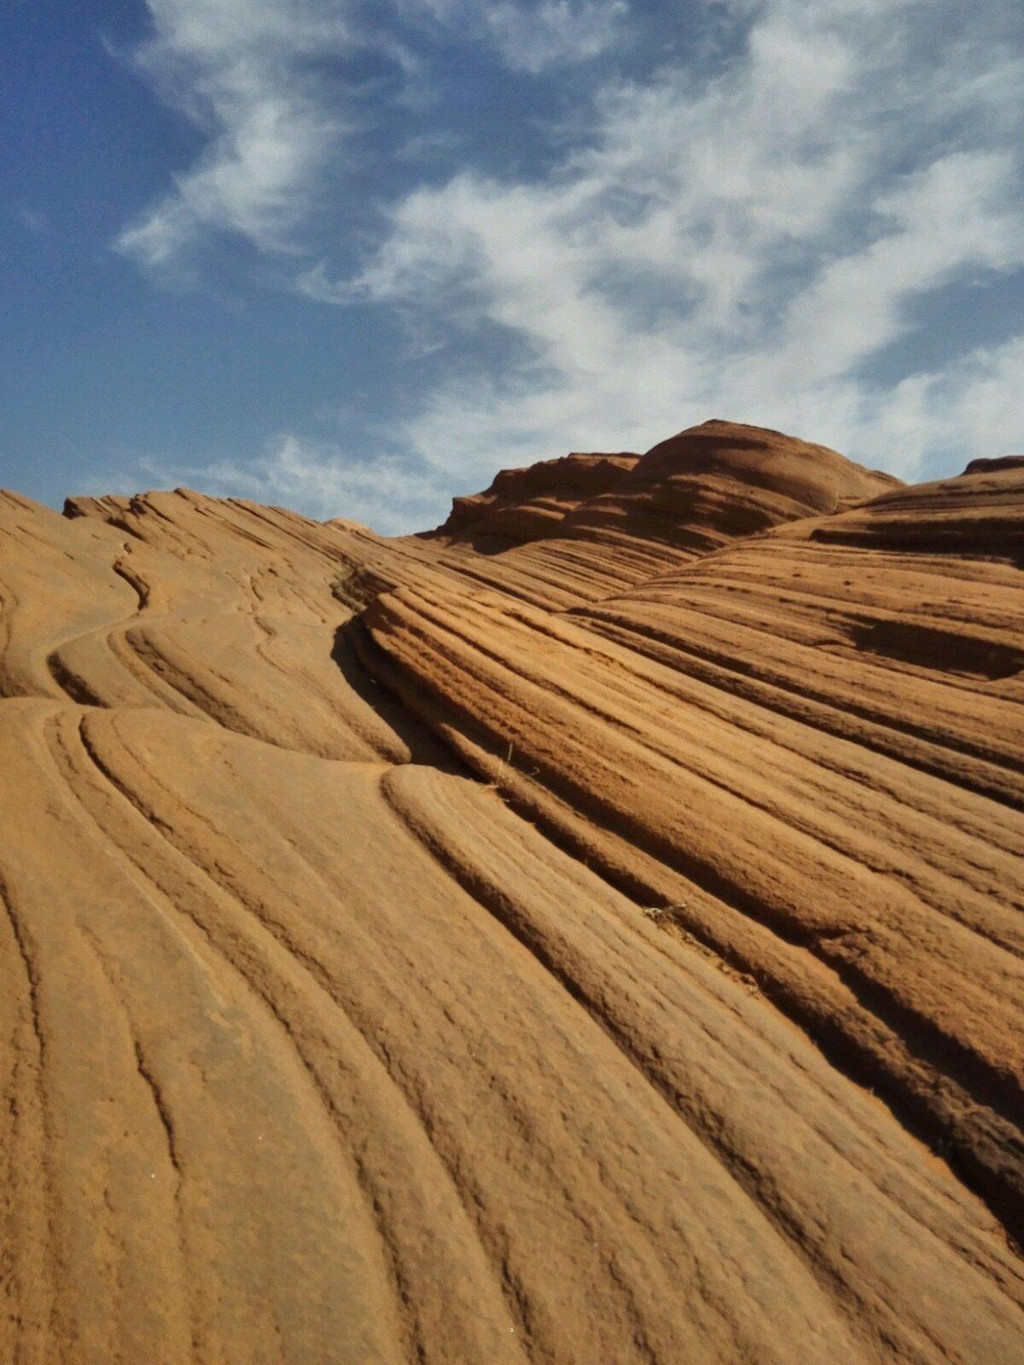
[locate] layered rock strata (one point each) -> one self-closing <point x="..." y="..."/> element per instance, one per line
<point x="589" y="932"/>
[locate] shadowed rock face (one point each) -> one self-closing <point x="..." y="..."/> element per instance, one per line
<point x="589" y="933"/>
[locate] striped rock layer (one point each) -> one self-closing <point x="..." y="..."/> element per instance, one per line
<point x="590" y="933"/>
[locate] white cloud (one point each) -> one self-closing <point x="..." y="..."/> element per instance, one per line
<point x="735" y="245"/>
<point x="243" y="71"/>
<point x="239" y="69"/>
<point x="971" y="408"/>
<point x="529" y="35"/>
<point x="34" y="220"/>
<point x="319" y="480"/>
<point x="959" y="213"/>
<point x="737" y="239"/>
<point x="554" y="31"/>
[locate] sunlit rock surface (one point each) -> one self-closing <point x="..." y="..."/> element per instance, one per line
<point x="590" y="932"/>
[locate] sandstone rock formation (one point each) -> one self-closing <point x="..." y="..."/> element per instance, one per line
<point x="591" y="932"/>
<point x="531" y="503"/>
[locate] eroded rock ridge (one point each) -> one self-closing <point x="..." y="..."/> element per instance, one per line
<point x="589" y="932"/>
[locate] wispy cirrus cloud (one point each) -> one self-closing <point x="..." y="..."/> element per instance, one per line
<point x="239" y="69"/>
<point x="740" y="244"/>
<point x="536" y="38"/>
<point x="749" y="233"/>
<point x="318" y="478"/>
<point x="529" y="35"/>
<point x="33" y="220"/>
<point x="255" y="76"/>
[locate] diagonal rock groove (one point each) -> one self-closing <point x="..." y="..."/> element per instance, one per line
<point x="350" y="652"/>
<point x="965" y="1113"/>
<point x="592" y="930"/>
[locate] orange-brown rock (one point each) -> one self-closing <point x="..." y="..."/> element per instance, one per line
<point x="593" y="940"/>
<point x="531" y="503"/>
<point x="722" y="480"/>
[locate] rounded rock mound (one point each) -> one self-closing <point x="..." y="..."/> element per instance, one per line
<point x="720" y="480"/>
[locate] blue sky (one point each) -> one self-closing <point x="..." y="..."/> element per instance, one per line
<point x="353" y="256"/>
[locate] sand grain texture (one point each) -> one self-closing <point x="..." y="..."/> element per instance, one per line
<point x="590" y="932"/>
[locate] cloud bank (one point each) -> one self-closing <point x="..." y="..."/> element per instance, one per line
<point x="758" y="224"/>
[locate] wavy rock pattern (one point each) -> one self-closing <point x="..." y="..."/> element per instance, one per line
<point x="589" y="933"/>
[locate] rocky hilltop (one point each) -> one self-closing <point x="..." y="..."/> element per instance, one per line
<point x="590" y="932"/>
